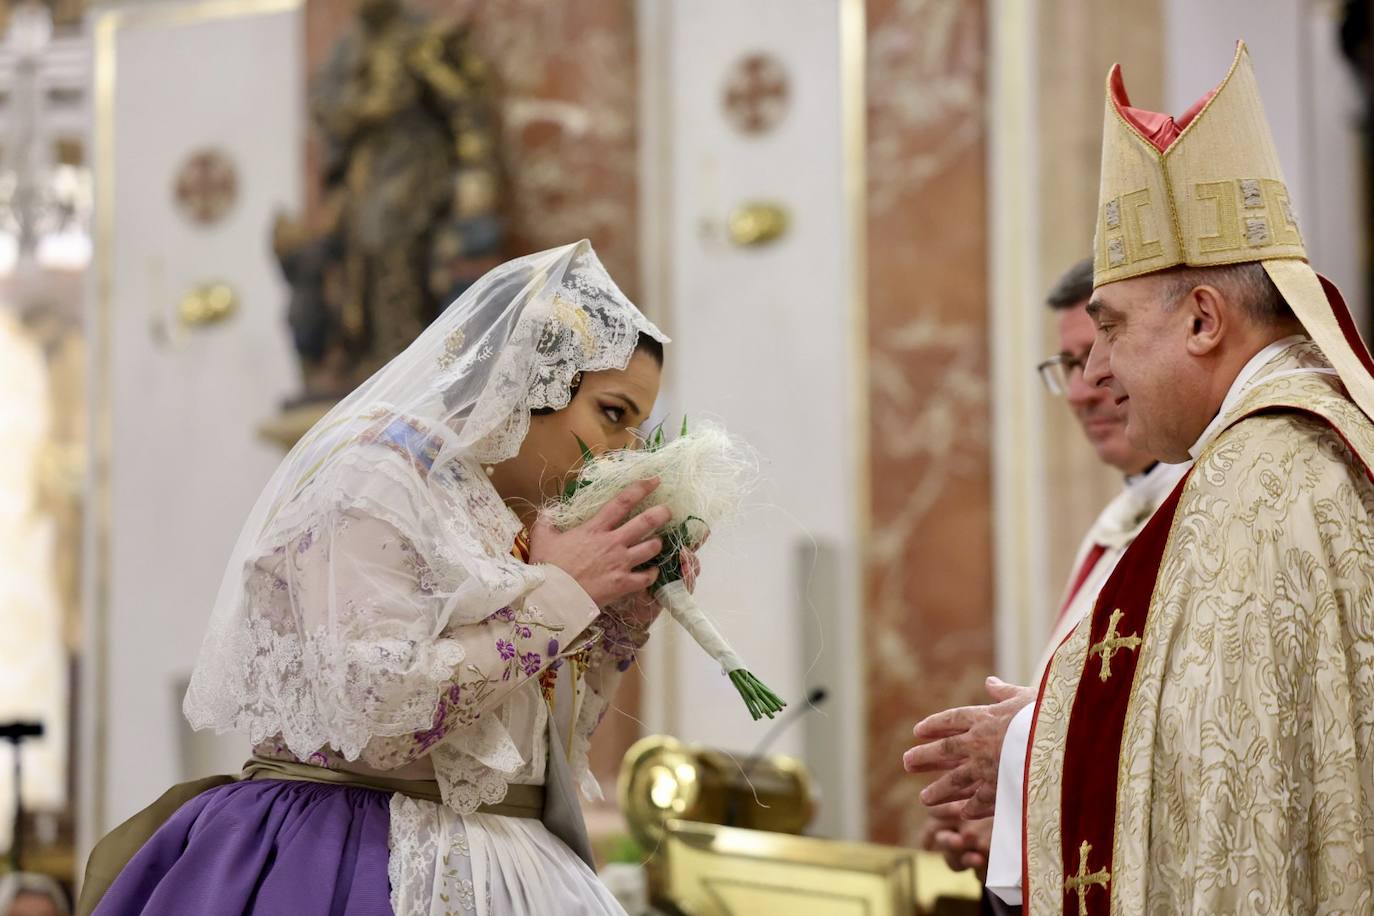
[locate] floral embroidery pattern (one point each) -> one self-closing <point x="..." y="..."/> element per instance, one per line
<point x="620" y="641"/>
<point x="531" y="662"/>
<point x="424" y="740"/>
<point x="474" y="666"/>
<point x="460" y="704"/>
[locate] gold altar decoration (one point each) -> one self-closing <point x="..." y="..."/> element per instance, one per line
<point x="710" y="870"/>
<point x="663" y="779"/>
<point x="721" y="834"/>
<point x="724" y="871"/>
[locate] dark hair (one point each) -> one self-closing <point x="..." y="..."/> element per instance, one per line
<point x="1073" y="288"/>
<point x="1247" y="283"/>
<point x="645" y="344"/>
<point x="652" y="346"/>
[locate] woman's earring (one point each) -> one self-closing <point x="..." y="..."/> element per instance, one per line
<point x="490" y="469"/>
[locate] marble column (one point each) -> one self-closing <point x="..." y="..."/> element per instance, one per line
<point x="928" y="630"/>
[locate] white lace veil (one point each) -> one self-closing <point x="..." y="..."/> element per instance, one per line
<point x="340" y="665"/>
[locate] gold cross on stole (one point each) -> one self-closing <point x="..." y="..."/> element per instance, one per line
<point x="1111" y="642"/>
<point x="1084" y="880"/>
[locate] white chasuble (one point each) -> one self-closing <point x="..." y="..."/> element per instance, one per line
<point x="1204" y="742"/>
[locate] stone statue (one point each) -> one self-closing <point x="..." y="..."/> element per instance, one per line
<point x="406" y="111"/>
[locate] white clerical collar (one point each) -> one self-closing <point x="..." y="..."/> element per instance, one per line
<point x="1242" y="381"/>
<point x="1122" y="518"/>
<point x="1155" y="484"/>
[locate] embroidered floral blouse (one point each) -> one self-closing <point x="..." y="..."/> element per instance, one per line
<point x="551" y="649"/>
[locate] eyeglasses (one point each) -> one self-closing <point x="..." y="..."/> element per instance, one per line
<point x="1057" y="372"/>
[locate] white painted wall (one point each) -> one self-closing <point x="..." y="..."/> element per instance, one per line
<point x="1312" y="103"/>
<point x="763" y="340"/>
<point x="185" y="463"/>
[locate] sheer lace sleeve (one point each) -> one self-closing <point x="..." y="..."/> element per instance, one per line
<point x="513" y="646"/>
<point x="377" y="674"/>
<point x="608" y="659"/>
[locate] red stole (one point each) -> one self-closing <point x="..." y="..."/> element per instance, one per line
<point x="1093" y="742"/>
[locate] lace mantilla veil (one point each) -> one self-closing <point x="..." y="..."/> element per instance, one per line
<point x="339" y="667"/>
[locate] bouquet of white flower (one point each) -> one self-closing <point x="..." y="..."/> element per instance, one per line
<point x="704" y="475"/>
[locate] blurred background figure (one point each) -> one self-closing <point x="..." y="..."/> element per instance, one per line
<point x="26" y="894"/>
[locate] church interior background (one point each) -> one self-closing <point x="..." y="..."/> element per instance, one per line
<point x="198" y="241"/>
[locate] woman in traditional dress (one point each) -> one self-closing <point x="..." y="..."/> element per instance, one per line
<point x="405" y="642"/>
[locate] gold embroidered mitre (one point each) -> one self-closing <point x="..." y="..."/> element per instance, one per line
<point x="1206" y="190"/>
<point x="1213" y="195"/>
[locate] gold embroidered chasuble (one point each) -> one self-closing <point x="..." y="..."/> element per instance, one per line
<point x="1204" y="742"/>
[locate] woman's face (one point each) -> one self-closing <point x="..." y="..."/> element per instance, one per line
<point x="606" y="413"/>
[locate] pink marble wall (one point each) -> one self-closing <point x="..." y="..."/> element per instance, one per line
<point x="929" y="622"/>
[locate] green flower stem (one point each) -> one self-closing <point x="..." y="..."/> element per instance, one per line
<point x="760" y="700"/>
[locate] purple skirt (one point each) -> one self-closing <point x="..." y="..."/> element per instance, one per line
<point x="264" y="847"/>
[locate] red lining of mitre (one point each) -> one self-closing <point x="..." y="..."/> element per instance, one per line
<point x="1160" y="129"/>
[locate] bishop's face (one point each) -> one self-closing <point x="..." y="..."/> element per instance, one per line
<point x="1140" y="358"/>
